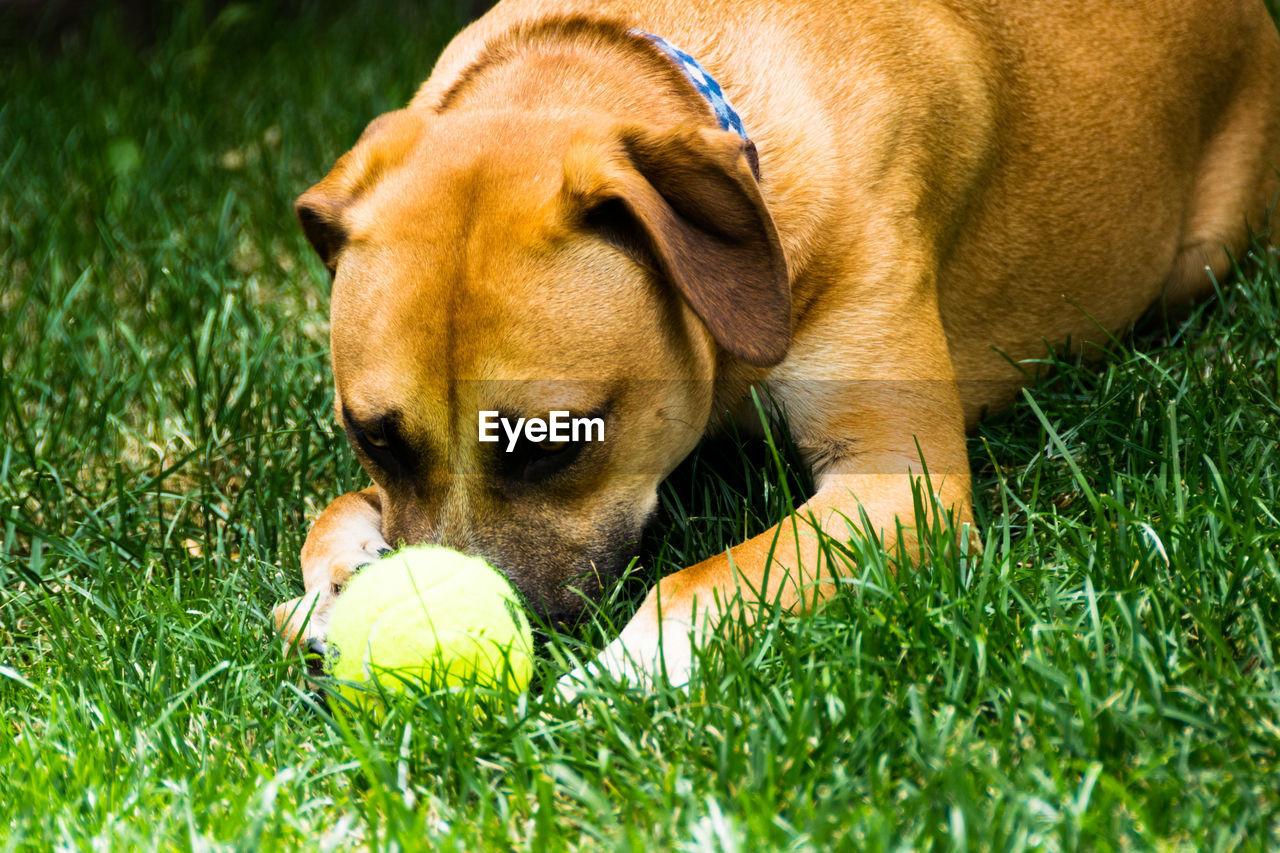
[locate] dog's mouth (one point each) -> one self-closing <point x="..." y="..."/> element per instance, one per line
<point x="564" y="583"/>
<point x="566" y="603"/>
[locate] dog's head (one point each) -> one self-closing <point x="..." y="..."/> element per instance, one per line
<point x="491" y="267"/>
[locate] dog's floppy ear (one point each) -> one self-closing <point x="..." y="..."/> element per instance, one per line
<point x="322" y="209"/>
<point x="320" y="213"/>
<point x="689" y="198"/>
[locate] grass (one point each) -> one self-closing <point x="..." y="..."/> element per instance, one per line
<point x="1103" y="676"/>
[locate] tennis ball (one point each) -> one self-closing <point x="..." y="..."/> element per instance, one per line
<point x="432" y="616"/>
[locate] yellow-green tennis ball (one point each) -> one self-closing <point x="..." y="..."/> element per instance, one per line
<point x="430" y="616"/>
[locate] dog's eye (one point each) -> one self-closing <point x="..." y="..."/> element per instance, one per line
<point x="533" y="461"/>
<point x="382" y="444"/>
<point x="375" y="434"/>
<point x="379" y="439"/>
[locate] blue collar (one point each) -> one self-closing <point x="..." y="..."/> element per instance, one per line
<point x="706" y="85"/>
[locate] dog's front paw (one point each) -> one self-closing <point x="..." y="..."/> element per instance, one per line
<point x="642" y="656"/>
<point x="304" y="621"/>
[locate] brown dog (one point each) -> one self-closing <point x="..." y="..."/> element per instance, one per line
<point x="560" y="222"/>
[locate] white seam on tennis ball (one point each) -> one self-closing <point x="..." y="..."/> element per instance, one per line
<point x="366" y="662"/>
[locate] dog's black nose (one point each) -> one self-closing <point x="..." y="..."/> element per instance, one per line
<point x="315" y="653"/>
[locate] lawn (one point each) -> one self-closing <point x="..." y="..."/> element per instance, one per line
<point x="1104" y="675"/>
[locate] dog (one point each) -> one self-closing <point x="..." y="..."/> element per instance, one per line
<point x="636" y="212"/>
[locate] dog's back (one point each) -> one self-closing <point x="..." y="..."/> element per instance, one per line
<point x="1079" y="161"/>
<point x="1140" y="139"/>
